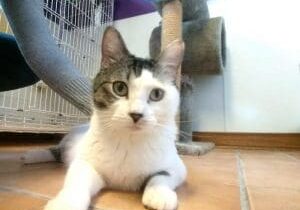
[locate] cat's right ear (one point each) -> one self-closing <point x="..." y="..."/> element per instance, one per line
<point x="113" y="47"/>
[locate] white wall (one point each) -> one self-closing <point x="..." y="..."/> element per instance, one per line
<point x="262" y="81"/>
<point x="136" y="32"/>
<point x="260" y="89"/>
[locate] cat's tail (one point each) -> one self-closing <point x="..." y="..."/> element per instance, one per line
<point x="13" y="161"/>
<point x="43" y="155"/>
<point x="64" y="152"/>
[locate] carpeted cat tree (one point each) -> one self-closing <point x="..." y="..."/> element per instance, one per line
<point x="205" y="54"/>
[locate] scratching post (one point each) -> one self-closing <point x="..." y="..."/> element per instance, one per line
<point x="171" y="27"/>
<point x="171" y="30"/>
<point x="204" y="54"/>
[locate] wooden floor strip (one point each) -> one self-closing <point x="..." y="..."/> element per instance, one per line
<point x="260" y="140"/>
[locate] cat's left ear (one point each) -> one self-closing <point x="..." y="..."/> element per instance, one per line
<point x="113" y="47"/>
<point x="170" y="59"/>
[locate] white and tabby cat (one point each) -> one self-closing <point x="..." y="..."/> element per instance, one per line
<point x="129" y="143"/>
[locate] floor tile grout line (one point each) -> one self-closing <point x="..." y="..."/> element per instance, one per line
<point x="290" y="156"/>
<point x="92" y="207"/>
<point x="97" y="208"/>
<point x="23" y="192"/>
<point x="244" y="197"/>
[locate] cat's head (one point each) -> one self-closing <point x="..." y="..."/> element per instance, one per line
<point x="134" y="93"/>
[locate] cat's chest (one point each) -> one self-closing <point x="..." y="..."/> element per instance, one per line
<point x="125" y="158"/>
<point x="126" y="165"/>
<point x="127" y="171"/>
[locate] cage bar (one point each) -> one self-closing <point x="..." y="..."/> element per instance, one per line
<point x="77" y="28"/>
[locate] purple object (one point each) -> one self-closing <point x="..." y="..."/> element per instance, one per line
<point x="130" y="8"/>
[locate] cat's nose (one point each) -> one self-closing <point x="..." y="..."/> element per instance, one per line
<point x="135" y="116"/>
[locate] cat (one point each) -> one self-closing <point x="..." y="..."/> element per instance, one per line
<point x="129" y="143"/>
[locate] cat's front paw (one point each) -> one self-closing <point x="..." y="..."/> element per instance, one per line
<point x="64" y="203"/>
<point x="58" y="204"/>
<point x="160" y="198"/>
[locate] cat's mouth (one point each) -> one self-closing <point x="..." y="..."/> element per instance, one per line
<point x="135" y="127"/>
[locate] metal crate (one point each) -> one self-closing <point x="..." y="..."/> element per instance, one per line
<point x="77" y="27"/>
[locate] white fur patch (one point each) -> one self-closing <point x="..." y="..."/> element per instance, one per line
<point x="160" y="198"/>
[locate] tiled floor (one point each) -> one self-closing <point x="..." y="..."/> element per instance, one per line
<point x="224" y="179"/>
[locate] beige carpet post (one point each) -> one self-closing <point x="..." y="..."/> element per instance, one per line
<point x="172" y="13"/>
<point x="171" y="31"/>
<point x="172" y="27"/>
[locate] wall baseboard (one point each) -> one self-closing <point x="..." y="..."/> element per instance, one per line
<point x="223" y="139"/>
<point x="259" y="140"/>
<point x="14" y="138"/>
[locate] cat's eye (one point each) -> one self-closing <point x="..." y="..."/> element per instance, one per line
<point x="156" y="94"/>
<point x="120" y="88"/>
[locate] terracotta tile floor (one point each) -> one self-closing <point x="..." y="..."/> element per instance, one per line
<point x="224" y="179"/>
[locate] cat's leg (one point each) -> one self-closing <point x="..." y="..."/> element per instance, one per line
<point x="81" y="183"/>
<point x="160" y="192"/>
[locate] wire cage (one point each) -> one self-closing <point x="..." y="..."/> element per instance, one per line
<point x="77" y="27"/>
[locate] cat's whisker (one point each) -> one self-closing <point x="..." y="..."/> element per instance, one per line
<point x="105" y="120"/>
<point x="180" y="132"/>
<point x="120" y="117"/>
<point x="107" y="124"/>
